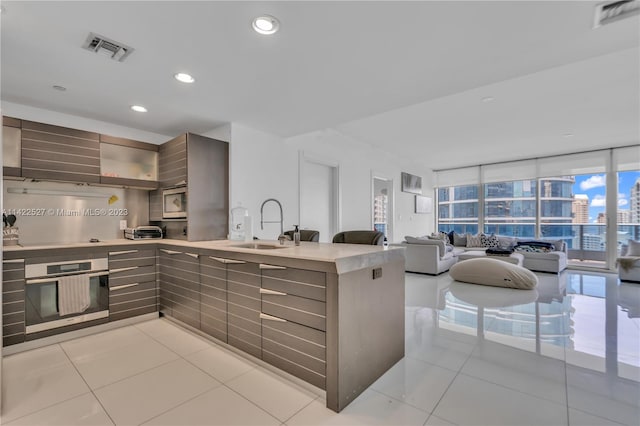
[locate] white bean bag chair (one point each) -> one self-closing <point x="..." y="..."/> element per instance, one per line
<point x="492" y="297"/>
<point x="487" y="271"/>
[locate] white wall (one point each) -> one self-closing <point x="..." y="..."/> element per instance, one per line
<point x="26" y="112"/>
<point x="262" y="167"/>
<point x="357" y="162"/>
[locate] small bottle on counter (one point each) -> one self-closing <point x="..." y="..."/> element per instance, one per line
<point x="296" y="235"/>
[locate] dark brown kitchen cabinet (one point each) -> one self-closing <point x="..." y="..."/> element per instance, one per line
<point x="130" y="163"/>
<point x="13" y="328"/>
<point x="202" y="164"/>
<point x="243" y="307"/>
<point x="213" y="296"/>
<point x="179" y="279"/>
<point x="172" y="165"/>
<point x="293" y="319"/>
<point x="59" y="153"/>
<point x="133" y="287"/>
<point x="11" y="146"/>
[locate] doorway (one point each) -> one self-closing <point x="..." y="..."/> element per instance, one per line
<point x="319" y="196"/>
<point x="382" y="205"/>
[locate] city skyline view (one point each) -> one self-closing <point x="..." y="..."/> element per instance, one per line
<point x="594" y="187"/>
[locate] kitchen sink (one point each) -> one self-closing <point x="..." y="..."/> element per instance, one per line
<point x="258" y="246"/>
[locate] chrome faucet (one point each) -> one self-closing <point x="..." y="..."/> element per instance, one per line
<point x="281" y="221"/>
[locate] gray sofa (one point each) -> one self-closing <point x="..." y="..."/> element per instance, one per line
<point x="554" y="261"/>
<point x="629" y="265"/>
<point x="434" y="257"/>
<point x="428" y="256"/>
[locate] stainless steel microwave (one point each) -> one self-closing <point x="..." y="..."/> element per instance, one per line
<point x="174" y="203"/>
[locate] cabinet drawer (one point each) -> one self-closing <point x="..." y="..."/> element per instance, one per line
<point x="311" y="313"/>
<point x="13" y="307"/>
<point x="133" y="312"/>
<point x="132" y="271"/>
<point x="178" y="278"/>
<point x="285" y="364"/>
<point x="116" y="291"/>
<point x="296" y="337"/>
<point x="128" y="258"/>
<point x="310" y="291"/>
<point x="129" y="305"/>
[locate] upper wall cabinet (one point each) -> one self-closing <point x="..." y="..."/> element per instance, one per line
<point x="11" y="146"/>
<point x="59" y="153"/>
<point x="128" y="163"/>
<point x="173" y="162"/>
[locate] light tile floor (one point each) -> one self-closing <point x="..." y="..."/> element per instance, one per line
<point x="567" y="353"/>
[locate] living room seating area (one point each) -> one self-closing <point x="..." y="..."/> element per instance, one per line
<point x="436" y="253"/>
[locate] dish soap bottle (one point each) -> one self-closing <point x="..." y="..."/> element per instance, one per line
<point x="296" y="235"/>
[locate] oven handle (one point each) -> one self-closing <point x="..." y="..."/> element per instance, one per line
<point x="55" y="279"/>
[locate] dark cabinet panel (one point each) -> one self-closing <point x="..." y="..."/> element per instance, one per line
<point x="243" y="304"/>
<point x="293" y="317"/>
<point x="13" y="327"/>
<point x="213" y="297"/>
<point x="133" y="288"/>
<point x="179" y="277"/>
<point x="59" y="153"/>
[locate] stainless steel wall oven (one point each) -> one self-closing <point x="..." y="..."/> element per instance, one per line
<point x="59" y="294"/>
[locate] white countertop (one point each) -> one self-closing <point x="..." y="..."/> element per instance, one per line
<point x="346" y="256"/>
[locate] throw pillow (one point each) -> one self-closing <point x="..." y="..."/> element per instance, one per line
<point x="474" y="240"/>
<point x="558" y="245"/>
<point x="459" y="240"/>
<point x="634" y="248"/>
<point x="489" y="241"/>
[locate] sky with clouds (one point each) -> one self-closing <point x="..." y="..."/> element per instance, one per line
<point x="594" y="187"/>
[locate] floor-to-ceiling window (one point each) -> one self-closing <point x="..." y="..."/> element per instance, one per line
<point x="458" y="209"/>
<point x="561" y="197"/>
<point x="510" y="208"/>
<point x="628" y="214"/>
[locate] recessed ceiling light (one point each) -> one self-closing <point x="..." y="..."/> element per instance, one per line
<point x="184" y="77"/>
<point x="266" y="24"/>
<point x="138" y="108"/>
<point x="488" y="99"/>
<point x="60" y="88"/>
<point x="568" y="135"/>
<point x="2" y="9"/>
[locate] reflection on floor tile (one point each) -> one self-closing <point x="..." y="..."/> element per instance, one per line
<point x="474" y="355"/>
<point x="489" y="404"/>
<point x="416" y="383"/>
<point x="580" y="418"/>
<point x="604" y="395"/>
<point x="520" y="370"/>
<point x="370" y="408"/>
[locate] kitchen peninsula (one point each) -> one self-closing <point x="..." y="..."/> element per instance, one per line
<point x="329" y="314"/>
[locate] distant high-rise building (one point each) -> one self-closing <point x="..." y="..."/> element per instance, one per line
<point x="624" y="216"/>
<point x="580" y="209"/>
<point x="634" y="199"/>
<point x="602" y="218"/>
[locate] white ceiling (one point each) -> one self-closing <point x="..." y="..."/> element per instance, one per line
<point x="407" y="77"/>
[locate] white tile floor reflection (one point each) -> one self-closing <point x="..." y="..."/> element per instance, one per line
<point x="567" y="353"/>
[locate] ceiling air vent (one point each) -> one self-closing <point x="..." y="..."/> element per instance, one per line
<point x="607" y="13"/>
<point x="99" y="44"/>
